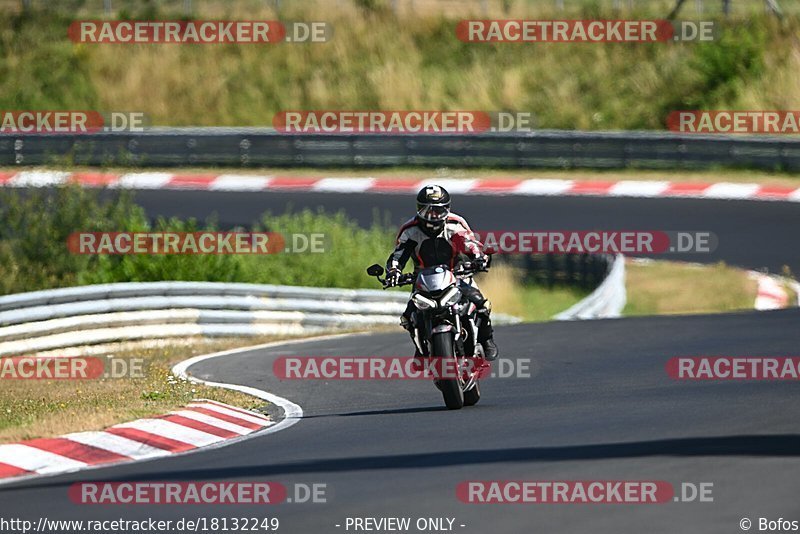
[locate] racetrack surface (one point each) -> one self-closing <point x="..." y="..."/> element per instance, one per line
<point x="751" y="234"/>
<point x="599" y="405"/>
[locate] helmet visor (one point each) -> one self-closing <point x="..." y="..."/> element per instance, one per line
<point x="433" y="213"/>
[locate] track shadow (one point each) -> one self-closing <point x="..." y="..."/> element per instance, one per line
<point x="782" y="445"/>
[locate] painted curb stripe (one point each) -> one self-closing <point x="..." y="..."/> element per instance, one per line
<point x="202" y="427"/>
<point x="7" y="470"/>
<point x="235" y="412"/>
<point x="202" y="423"/>
<point x="173" y="431"/>
<point x="230" y="418"/>
<point x="117" y="444"/>
<point x="36" y="460"/>
<point x="191" y="181"/>
<point x="471" y="186"/>
<point x="214" y="421"/>
<point x="76" y="451"/>
<point x="153" y="440"/>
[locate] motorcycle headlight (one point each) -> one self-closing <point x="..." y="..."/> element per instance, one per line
<point x="452" y="296"/>
<point x="423" y="303"/>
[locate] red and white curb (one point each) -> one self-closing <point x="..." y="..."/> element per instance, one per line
<point x="200" y="426"/>
<point x="493" y="186"/>
<point x="772" y="294"/>
<point x="202" y="423"/>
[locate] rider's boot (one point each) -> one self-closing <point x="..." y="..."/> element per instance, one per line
<point x="419" y="358"/>
<point x="485" y="334"/>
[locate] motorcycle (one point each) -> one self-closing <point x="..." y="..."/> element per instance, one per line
<point x="445" y="329"/>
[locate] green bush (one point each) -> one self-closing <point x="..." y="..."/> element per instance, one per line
<point x="35" y="225"/>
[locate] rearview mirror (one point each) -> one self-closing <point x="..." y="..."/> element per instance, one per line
<point x="375" y="270"/>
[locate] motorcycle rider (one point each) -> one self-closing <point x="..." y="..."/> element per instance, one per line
<point x="436" y="236"/>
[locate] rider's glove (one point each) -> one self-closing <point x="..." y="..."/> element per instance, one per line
<point x="393" y="277"/>
<point x="482" y="263"/>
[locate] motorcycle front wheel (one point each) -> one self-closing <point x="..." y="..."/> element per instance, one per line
<point x="451" y="389"/>
<point x="472" y="396"/>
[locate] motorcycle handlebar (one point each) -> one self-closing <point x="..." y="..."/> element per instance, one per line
<point x="466" y="268"/>
<point x="405" y="279"/>
<point x="469" y="267"/>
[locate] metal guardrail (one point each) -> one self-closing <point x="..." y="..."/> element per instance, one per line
<point x="86" y="315"/>
<point x="255" y="147"/>
<point x="606" y="301"/>
<point x="76" y="316"/>
<point x="47" y="297"/>
<point x="586" y="271"/>
<point x="68" y="317"/>
<point x="604" y="274"/>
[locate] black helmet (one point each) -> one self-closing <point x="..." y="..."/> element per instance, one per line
<point x="433" y="207"/>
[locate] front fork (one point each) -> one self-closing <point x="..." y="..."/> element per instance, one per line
<point x="421" y="337"/>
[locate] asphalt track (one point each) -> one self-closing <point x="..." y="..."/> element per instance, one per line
<point x="598" y="406"/>
<point x="752" y="234"/>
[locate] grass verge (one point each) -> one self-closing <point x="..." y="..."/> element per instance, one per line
<point x="661" y="287"/>
<point x="503" y="286"/>
<point x="44" y="408"/>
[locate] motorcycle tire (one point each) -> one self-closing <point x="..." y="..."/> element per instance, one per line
<point x="472" y="396"/>
<point x="451" y="389"/>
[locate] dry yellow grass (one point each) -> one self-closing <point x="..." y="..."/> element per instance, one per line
<point x="381" y="61"/>
<point x="793" y="296"/>
<point x="501" y="286"/>
<point x="662" y="287"/>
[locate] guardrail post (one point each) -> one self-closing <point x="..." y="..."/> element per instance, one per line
<point x="586" y="280"/>
<point x="551" y="270"/>
<point x="569" y="269"/>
